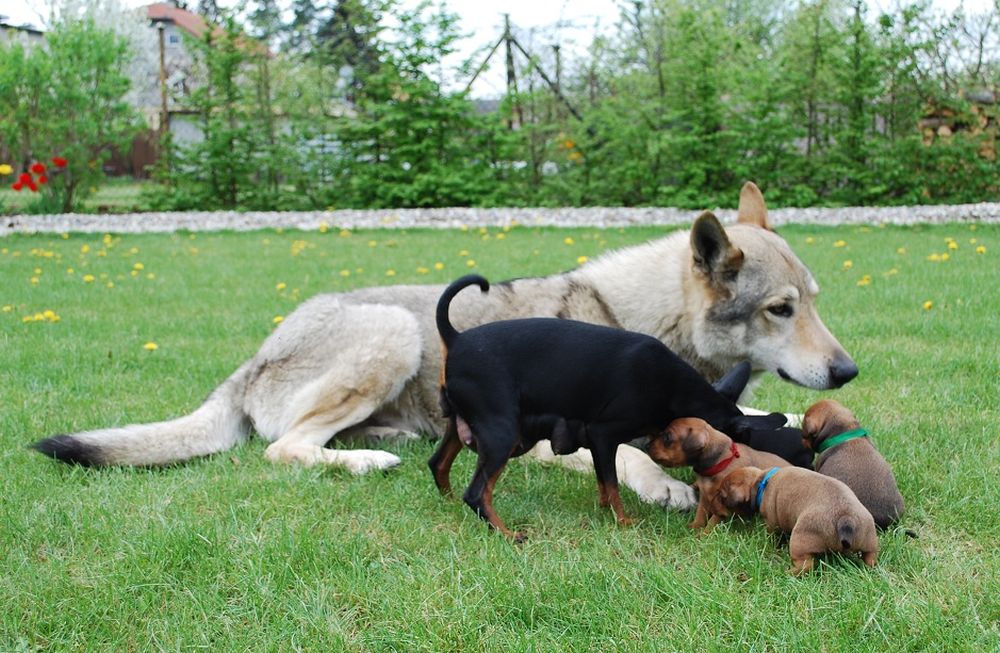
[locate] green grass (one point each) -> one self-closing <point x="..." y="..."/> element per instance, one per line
<point x="114" y="195"/>
<point x="233" y="553"/>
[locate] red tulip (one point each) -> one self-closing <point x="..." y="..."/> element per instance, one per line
<point x="38" y="168"/>
<point x="42" y="179"/>
<point x="59" y="162"/>
<point x="33" y="186"/>
<point x="24" y="177"/>
<point x="17" y="185"/>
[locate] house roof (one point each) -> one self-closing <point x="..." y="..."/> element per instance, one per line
<point x="191" y="23"/>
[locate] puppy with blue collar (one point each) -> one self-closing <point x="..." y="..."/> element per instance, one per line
<point x="820" y="513"/>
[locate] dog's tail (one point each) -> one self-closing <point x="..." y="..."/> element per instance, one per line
<point x="445" y="329"/>
<point x="216" y="425"/>
<point x="847" y="530"/>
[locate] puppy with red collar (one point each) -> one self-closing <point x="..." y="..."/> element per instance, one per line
<point x="711" y="453"/>
<point x="821" y="513"/>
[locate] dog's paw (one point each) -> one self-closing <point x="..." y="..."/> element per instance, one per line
<point x="362" y="462"/>
<point x="671" y="494"/>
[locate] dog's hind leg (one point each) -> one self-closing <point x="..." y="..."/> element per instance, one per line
<point x="440" y="463"/>
<point x="636" y="471"/>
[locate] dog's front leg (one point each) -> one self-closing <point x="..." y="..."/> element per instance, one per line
<point x="636" y="471"/>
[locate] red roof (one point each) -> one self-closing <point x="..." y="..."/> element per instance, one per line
<point x="191" y="23"/>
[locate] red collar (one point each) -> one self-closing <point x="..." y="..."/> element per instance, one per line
<point x="722" y="464"/>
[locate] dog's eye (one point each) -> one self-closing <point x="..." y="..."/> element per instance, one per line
<point x="781" y="310"/>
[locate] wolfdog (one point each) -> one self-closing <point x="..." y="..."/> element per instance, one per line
<point x="367" y="363"/>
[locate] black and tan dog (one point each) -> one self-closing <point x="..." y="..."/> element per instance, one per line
<point x="711" y="453"/>
<point x="510" y="383"/>
<point x="820" y="513"/>
<point x="845" y="452"/>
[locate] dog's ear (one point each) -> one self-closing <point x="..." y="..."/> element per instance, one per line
<point x="753" y="210"/>
<point x="740" y="427"/>
<point x="731" y="385"/>
<point x="694" y="443"/>
<point x="714" y="256"/>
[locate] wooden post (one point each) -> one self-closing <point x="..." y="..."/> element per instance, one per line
<point x="164" y="111"/>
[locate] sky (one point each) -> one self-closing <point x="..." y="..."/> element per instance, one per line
<point x="572" y="22"/>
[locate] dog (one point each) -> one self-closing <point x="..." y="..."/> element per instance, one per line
<point x="846" y="453"/>
<point x="619" y="385"/>
<point x="819" y="512"/>
<point x="366" y="363"/>
<point x="711" y="453"/>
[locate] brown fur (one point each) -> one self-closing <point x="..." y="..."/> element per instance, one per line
<point x="693" y="441"/>
<point x="856" y="462"/>
<point x="820" y="513"/>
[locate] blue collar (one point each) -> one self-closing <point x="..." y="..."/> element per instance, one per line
<point x="761" y="486"/>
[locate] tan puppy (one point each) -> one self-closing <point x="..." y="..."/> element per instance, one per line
<point x="711" y="453"/>
<point x="845" y="453"/>
<point x="820" y="513"/>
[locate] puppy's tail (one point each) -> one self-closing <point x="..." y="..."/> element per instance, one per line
<point x="445" y="329"/>
<point x="217" y="425"/>
<point x="847" y="530"/>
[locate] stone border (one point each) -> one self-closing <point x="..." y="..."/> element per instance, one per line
<point x="450" y="218"/>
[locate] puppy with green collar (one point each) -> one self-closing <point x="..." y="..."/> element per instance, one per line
<point x="845" y="452"/>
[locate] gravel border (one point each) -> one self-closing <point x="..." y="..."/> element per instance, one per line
<point x="449" y="218"/>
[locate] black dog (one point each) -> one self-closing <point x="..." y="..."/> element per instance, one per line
<point x="511" y="383"/>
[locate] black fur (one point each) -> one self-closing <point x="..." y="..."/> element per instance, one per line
<point x="69" y="450"/>
<point x="611" y="385"/>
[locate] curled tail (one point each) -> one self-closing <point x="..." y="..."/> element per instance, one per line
<point x="444" y="327"/>
<point x="215" y="426"/>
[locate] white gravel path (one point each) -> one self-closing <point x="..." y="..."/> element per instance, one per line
<point x="456" y="217"/>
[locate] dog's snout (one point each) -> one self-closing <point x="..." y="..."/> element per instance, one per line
<point x="842" y="370"/>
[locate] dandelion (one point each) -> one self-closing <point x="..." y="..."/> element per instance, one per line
<point x="865" y="280"/>
<point x="88" y="278"/>
<point x="138" y="266"/>
<point x="324" y="227"/>
<point x="134" y="273"/>
<point x="281" y="285"/>
<point x="345" y="273"/>
<point x="345" y="233"/>
<point x="34" y="281"/>
<point x="278" y="319"/>
<point x="567" y="240"/>
<point x="439" y="265"/>
<point x="151" y="346"/>
<point x="7" y="308"/>
<point x="390" y="273"/>
<point x="840" y="243"/>
<point x="470" y="263"/>
<point x="422" y="270"/>
<point x="581" y="259"/>
<point x="484" y="230"/>
<point x="952" y="245"/>
<point x="84" y="249"/>
<point x="463" y="253"/>
<point x="150" y="276"/>
<point x="501" y="236"/>
<point x="372" y="243"/>
<point x="928" y="305"/>
<point x="111" y="284"/>
<point x="810" y="240"/>
<point x="934" y="257"/>
<point x="901" y="250"/>
<point x="5" y="169"/>
<point x="848" y="264"/>
<point x="945" y="256"/>
<point x="891" y="272"/>
<point x="981" y="249"/>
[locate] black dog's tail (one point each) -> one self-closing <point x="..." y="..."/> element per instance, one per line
<point x="445" y="329"/>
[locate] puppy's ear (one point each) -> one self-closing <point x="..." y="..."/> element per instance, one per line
<point x="741" y="427"/>
<point x="734" y="382"/>
<point x="752" y="209"/>
<point x="693" y="443"/>
<point x="735" y="492"/>
<point x="713" y="255"/>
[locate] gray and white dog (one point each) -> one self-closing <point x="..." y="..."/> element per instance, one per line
<point x="368" y="363"/>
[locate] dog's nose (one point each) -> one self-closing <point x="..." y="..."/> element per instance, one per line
<point x="842" y="370"/>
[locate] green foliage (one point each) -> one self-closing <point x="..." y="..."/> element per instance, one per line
<point x="67" y="99"/>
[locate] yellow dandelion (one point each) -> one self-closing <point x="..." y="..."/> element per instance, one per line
<point x="567" y="240"/>
<point x="581" y="259"/>
<point x="69" y="270"/>
<point x="34" y="280"/>
<point x="111" y="284"/>
<point x="27" y="318"/>
<point x="485" y="237"/>
<point x="928" y="305"/>
<point x="891" y="272"/>
<point x="150" y="346"/>
<point x="103" y="252"/>
<point x="324" y="227"/>
<point x="84" y="249"/>
<point x="50" y="315"/>
<point x="344" y="233"/>
<point x="463" y="227"/>
<point x="470" y="263"/>
<point x="973" y="241"/>
<point x="934" y="257"/>
<point x="972" y="227"/>
<point x="134" y="273"/>
<point x="439" y="265"/>
<point x="464" y="253"/>
<point x="981" y="249"/>
<point x="952" y="245"/>
<point x="483" y="230"/>
<point x="150" y="276"/>
<point x="38" y="270"/>
<point x="840" y="243"/>
<point x="422" y="270"/>
<point x="138" y="266"/>
<point x="390" y="273"/>
<point x="345" y="273"/>
<point x="501" y="236"/>
<point x="848" y="264"/>
<point x="64" y="236"/>
<point x="134" y="250"/>
<point x="7" y="308"/>
<point x="281" y="285"/>
<point x="278" y="319"/>
<point x="87" y="278"/>
<point x="372" y="243"/>
<point x="865" y="280"/>
<point x="810" y="240"/>
<point x="945" y="256"/>
<point x="5" y="169"/>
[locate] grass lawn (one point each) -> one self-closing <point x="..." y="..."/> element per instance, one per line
<point x="115" y="195"/>
<point x="233" y="553"/>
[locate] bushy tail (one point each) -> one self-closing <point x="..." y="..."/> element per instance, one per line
<point x="445" y="329"/>
<point x="215" y="426"/>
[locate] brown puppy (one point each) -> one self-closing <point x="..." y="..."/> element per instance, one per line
<point x="845" y="453"/>
<point x="711" y="453"/>
<point x="820" y="513"/>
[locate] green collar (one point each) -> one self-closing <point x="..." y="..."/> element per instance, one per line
<point x="830" y="443"/>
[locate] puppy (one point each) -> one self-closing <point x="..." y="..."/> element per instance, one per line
<point x="820" y="513"/>
<point x="846" y="453"/>
<point x="711" y="453"/>
<point x="510" y="383"/>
